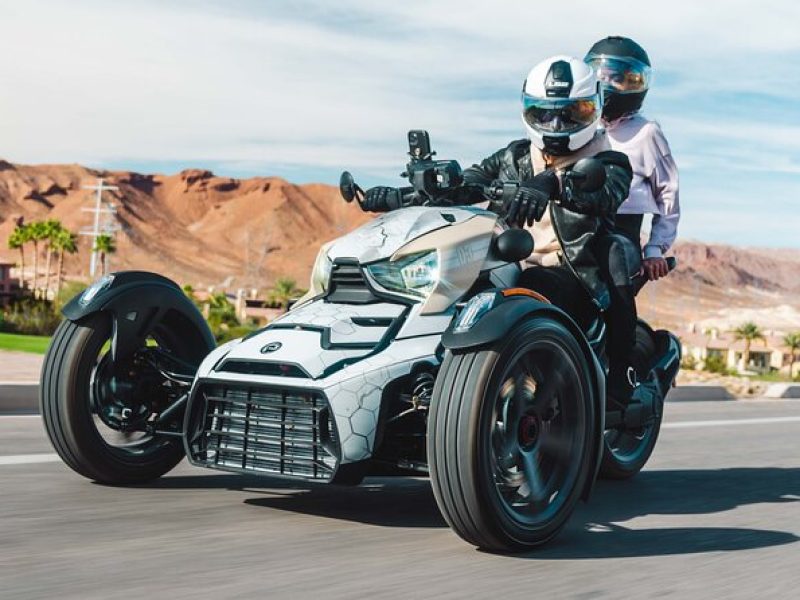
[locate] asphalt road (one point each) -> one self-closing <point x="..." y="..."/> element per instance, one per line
<point x="715" y="514"/>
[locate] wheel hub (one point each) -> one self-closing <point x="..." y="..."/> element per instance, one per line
<point x="115" y="394"/>
<point x="529" y="430"/>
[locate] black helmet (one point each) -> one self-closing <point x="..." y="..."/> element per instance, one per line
<point x="623" y="68"/>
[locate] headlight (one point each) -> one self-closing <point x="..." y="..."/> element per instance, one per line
<point x="98" y="286"/>
<point x="415" y="274"/>
<point x="321" y="273"/>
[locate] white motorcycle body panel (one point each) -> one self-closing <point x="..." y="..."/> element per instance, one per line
<point x="386" y="234"/>
<point x="350" y="352"/>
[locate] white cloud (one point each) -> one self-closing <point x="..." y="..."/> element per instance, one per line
<point x="316" y="84"/>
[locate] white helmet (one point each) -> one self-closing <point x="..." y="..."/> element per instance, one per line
<point x="561" y="104"/>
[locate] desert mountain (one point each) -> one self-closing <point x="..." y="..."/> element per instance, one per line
<point x="722" y="286"/>
<point x="193" y="226"/>
<point x="205" y="230"/>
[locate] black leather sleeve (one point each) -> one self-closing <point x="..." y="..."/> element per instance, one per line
<point x="607" y="199"/>
<point x="475" y="178"/>
<point x="487" y="171"/>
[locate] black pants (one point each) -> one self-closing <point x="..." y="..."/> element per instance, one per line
<point x="619" y="260"/>
<point x="563" y="289"/>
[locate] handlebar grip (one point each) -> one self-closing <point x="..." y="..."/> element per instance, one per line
<point x="639" y="280"/>
<point x="499" y="189"/>
<point x="408" y="196"/>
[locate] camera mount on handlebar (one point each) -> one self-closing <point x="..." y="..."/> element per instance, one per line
<point x="429" y="178"/>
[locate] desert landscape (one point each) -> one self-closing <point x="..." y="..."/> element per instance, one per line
<point x="207" y="230"/>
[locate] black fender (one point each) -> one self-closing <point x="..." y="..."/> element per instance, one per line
<point x="136" y="301"/>
<point x="505" y="314"/>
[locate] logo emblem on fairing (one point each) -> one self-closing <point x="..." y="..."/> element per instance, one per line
<point x="271" y="347"/>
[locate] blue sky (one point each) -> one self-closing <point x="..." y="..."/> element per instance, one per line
<point x="304" y="89"/>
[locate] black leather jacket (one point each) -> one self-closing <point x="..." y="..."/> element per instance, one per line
<point x="578" y="217"/>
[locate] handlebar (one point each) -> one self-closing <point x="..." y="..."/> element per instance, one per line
<point x="496" y="192"/>
<point x="639" y="280"/>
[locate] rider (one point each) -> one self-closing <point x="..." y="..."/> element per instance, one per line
<point x="573" y="241"/>
<point x="623" y="68"/>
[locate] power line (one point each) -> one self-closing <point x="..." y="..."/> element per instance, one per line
<point x="108" y="227"/>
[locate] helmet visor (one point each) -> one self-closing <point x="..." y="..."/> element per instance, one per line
<point x="621" y="75"/>
<point x="560" y="115"/>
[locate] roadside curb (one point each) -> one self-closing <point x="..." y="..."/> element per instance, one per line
<point x="692" y="393"/>
<point x="783" y="390"/>
<point x="19" y="397"/>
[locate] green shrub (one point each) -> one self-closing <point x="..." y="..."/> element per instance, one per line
<point x="688" y="362"/>
<point x="221" y="316"/>
<point x="69" y="290"/>
<point x="716" y="364"/>
<point x="31" y="317"/>
<point x="225" y="333"/>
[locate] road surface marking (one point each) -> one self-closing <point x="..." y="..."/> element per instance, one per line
<point x="728" y="422"/>
<point x="28" y="459"/>
<point x="22" y="416"/>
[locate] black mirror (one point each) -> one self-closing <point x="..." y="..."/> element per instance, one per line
<point x="347" y="186"/>
<point x="513" y="245"/>
<point x="588" y="175"/>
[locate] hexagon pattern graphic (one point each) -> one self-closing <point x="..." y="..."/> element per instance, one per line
<point x="356" y="404"/>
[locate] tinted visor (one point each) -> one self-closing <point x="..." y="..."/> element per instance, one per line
<point x="560" y="115"/>
<point x="623" y="75"/>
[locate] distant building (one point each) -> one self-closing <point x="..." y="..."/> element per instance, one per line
<point x="765" y="356"/>
<point x="9" y="286"/>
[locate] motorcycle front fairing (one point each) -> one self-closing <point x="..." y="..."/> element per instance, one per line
<point x="303" y="396"/>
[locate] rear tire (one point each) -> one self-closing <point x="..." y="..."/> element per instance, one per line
<point x="497" y="493"/>
<point x="66" y="408"/>
<point x="625" y="452"/>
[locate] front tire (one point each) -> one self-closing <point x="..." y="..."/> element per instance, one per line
<point x="70" y="416"/>
<point x="510" y="437"/>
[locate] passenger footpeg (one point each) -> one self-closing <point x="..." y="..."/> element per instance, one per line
<point x="645" y="406"/>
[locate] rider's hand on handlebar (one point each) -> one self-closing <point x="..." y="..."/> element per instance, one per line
<point x="527" y="206"/>
<point x="530" y="201"/>
<point x="655" y="268"/>
<point x="382" y="199"/>
<point x="547" y="182"/>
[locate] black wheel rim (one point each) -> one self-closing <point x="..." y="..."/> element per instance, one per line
<point x="628" y="445"/>
<point x="537" y="433"/>
<point x="119" y="441"/>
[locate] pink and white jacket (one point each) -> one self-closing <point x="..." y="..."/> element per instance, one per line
<point x="654" y="189"/>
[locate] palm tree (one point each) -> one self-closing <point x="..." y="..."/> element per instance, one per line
<point x="52" y="229"/>
<point x="284" y="291"/>
<point x="16" y="241"/>
<point x="65" y="242"/>
<point x="37" y="231"/>
<point x="104" y="244"/>
<point x="749" y="332"/>
<point x="792" y="342"/>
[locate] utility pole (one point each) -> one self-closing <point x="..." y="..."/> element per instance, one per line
<point x="106" y="228"/>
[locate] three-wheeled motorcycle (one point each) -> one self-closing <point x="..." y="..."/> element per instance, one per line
<point x="413" y="352"/>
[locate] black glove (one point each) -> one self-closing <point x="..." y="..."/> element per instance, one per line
<point x="382" y="199"/>
<point x="530" y="201"/>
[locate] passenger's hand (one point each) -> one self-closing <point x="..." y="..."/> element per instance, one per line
<point x="381" y="199"/>
<point x="655" y="268"/>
